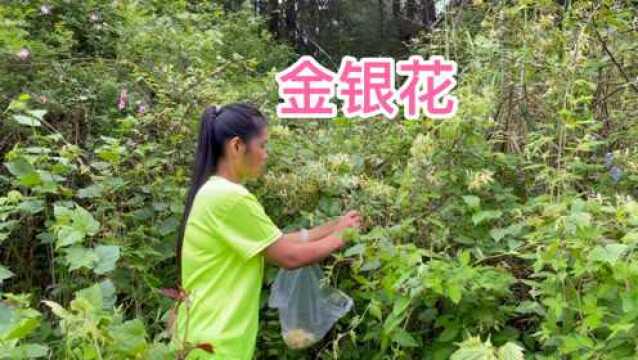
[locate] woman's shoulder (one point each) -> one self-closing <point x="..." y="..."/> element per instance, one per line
<point x="223" y="197"/>
<point x="219" y="188"/>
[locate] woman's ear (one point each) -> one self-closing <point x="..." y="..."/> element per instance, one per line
<point x="236" y="146"/>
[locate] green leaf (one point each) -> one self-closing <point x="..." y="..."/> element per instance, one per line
<point x="7" y="316"/>
<point x="579" y="220"/>
<point x="5" y="273"/>
<point x="84" y="221"/>
<point x="74" y="225"/>
<point x="472" y="201"/>
<point x="454" y="293"/>
<point x="371" y="265"/>
<point x="27" y="120"/>
<point x="32" y="206"/>
<point x="498" y="234"/>
<point x="375" y="309"/>
<point x="91" y="191"/>
<point x="168" y="226"/>
<point x="630" y="238"/>
<point x="510" y="351"/>
<point x="609" y="253"/>
<point x="24" y="172"/>
<point x="485" y="215"/>
<point x="91" y="295"/>
<point x="575" y="342"/>
<point x="29" y="351"/>
<point x="530" y="307"/>
<point x="107" y="257"/>
<point x="80" y="257"/>
<point x="23" y="323"/>
<point x="464" y="257"/>
<point x="37" y="114"/>
<point x="400" y="305"/>
<point x="450" y="332"/>
<point x="68" y="236"/>
<point x="474" y="349"/>
<point x="357" y="249"/>
<point x="404" y="338"/>
<point x="129" y="338"/>
<point x="108" y="294"/>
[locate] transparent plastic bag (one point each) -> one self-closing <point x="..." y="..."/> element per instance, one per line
<point x="307" y="310"/>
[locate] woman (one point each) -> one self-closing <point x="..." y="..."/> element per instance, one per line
<point x="225" y="236"/>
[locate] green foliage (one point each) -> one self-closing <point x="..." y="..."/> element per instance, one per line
<point x="473" y="349"/>
<point x="18" y="322"/>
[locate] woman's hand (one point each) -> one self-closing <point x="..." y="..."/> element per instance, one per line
<point x="351" y="219"/>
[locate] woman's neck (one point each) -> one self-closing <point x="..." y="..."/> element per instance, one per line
<point x="227" y="172"/>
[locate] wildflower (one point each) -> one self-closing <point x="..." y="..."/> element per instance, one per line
<point x="480" y="179"/>
<point x="122" y="100"/>
<point x="94" y="17"/>
<point x="141" y="107"/>
<point x="45" y="9"/>
<point x="23" y="54"/>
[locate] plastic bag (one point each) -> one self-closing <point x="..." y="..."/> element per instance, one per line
<point x="307" y="310"/>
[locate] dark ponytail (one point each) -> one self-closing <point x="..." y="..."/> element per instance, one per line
<point x="217" y="125"/>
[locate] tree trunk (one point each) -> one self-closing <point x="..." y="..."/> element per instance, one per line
<point x="428" y="12"/>
<point x="273" y="10"/>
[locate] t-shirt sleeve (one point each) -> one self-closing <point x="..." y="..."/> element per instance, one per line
<point x="246" y="227"/>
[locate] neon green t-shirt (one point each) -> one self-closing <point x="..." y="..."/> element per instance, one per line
<point x="222" y="269"/>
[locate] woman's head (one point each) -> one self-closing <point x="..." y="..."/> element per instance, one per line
<point x="232" y="137"/>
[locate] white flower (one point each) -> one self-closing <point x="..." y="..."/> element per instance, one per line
<point x="45" y="9"/>
<point x="479" y="179"/>
<point x="94" y="17"/>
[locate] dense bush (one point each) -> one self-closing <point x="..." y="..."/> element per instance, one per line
<point x="509" y="230"/>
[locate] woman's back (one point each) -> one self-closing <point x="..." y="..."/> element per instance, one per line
<point x="222" y="268"/>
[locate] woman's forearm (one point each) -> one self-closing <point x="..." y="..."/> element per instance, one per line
<point x="291" y="253"/>
<point x="315" y="251"/>
<point x="323" y="230"/>
<point x="316" y="233"/>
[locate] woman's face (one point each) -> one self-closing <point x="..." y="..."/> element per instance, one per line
<point x="256" y="154"/>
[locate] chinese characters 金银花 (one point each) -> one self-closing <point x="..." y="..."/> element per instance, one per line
<point x="367" y="88"/>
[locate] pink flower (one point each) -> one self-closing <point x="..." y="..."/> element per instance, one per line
<point x="23" y="54"/>
<point x="141" y="107"/>
<point x="122" y="100"/>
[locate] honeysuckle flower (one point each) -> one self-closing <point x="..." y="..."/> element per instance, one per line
<point x="94" y="17"/>
<point x="45" y="9"/>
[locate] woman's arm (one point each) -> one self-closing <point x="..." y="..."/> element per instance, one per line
<point x="349" y="219"/>
<point x="291" y="253"/>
